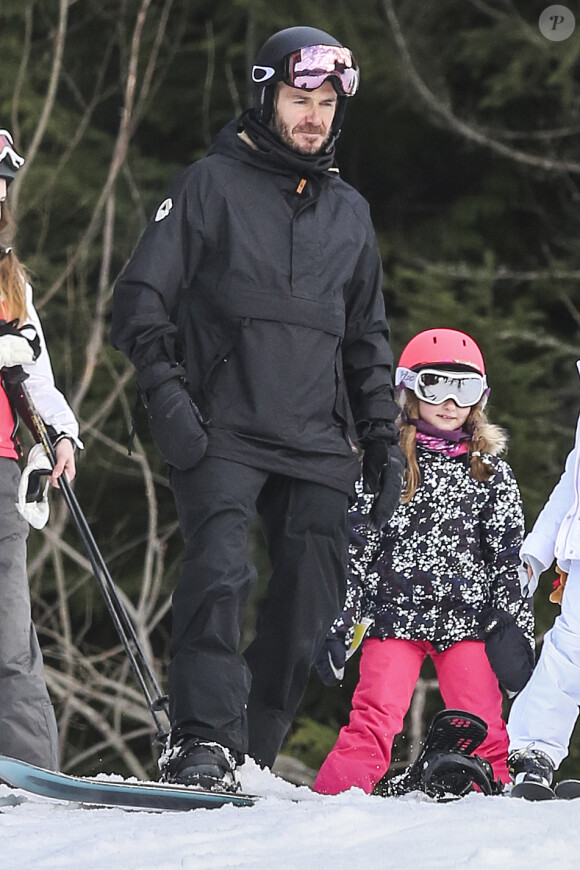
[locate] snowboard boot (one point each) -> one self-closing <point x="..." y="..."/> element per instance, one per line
<point x="530" y="766"/>
<point x="202" y="763"/>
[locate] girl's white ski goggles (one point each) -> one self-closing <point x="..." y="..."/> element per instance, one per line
<point x="435" y="386"/>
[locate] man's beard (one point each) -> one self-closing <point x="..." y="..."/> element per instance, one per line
<point x="284" y="133"/>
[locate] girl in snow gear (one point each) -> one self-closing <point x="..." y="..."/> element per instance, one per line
<point x="27" y="721"/>
<point x="543" y="716"/>
<point x="257" y="290"/>
<point x="447" y="555"/>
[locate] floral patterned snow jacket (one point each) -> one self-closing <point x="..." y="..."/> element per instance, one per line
<point x="445" y="556"/>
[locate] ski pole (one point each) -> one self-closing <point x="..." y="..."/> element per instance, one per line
<point x="115" y="606"/>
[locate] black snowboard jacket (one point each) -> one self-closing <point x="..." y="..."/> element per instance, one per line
<point x="268" y="290"/>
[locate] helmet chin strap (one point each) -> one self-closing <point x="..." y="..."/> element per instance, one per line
<point x="264" y="111"/>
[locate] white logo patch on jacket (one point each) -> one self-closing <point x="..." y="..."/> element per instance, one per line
<point x="164" y="209"/>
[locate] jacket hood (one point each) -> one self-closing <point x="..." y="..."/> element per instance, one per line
<point x="267" y="151"/>
<point x="494" y="438"/>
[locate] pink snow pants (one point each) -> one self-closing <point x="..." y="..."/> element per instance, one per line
<point x="389" y="670"/>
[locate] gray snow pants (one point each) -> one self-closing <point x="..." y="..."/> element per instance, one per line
<point x="27" y="721"/>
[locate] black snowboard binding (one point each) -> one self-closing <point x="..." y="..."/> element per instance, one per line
<point x="445" y="766"/>
<point x="450" y="774"/>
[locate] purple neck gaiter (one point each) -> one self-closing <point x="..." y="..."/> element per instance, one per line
<point x="452" y="443"/>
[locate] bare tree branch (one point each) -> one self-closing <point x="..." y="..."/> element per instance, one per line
<point x="47" y="107"/>
<point x="468" y="131"/>
<point x="209" y="73"/>
<point x="461" y="271"/>
<point x="575" y="313"/>
<point x="126" y="127"/>
<point x="539" y="340"/>
<point x="89" y="108"/>
<point x="22" y="69"/>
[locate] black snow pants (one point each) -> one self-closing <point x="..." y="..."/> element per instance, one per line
<point x="247" y="701"/>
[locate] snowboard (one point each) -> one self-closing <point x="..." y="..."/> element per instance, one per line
<point x="107" y="793"/>
<point x="533" y="791"/>
<point x="567" y="789"/>
<point x="445" y="767"/>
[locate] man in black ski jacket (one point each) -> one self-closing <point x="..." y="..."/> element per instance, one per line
<point x="253" y="312"/>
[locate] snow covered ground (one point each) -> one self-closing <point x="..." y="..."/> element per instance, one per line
<point x="292" y="828"/>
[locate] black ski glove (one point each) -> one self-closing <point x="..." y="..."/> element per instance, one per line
<point x="175" y="424"/>
<point x="508" y="650"/>
<point x="330" y="661"/>
<point x="383" y="468"/>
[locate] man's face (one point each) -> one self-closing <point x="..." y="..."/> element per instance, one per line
<point x="302" y="119"/>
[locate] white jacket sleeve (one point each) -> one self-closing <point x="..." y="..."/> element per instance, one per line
<point x="541" y="541"/>
<point x="49" y="401"/>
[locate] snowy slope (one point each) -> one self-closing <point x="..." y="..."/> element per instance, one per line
<point x="293" y="829"/>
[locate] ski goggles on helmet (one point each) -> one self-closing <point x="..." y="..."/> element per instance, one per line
<point x="7" y="150"/>
<point x="435" y="386"/>
<point x="308" y="68"/>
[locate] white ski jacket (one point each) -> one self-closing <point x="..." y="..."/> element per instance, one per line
<point x="50" y="402"/>
<point x="556" y="532"/>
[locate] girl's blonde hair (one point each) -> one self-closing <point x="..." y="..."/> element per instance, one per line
<point x="485" y="438"/>
<point x="12" y="273"/>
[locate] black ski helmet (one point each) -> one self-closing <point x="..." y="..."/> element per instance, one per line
<point x="272" y="66"/>
<point x="10" y="161"/>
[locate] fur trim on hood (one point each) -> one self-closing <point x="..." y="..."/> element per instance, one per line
<point x="494" y="439"/>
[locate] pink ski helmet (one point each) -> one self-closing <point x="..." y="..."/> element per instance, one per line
<point x="436" y="365"/>
<point x="440" y="347"/>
